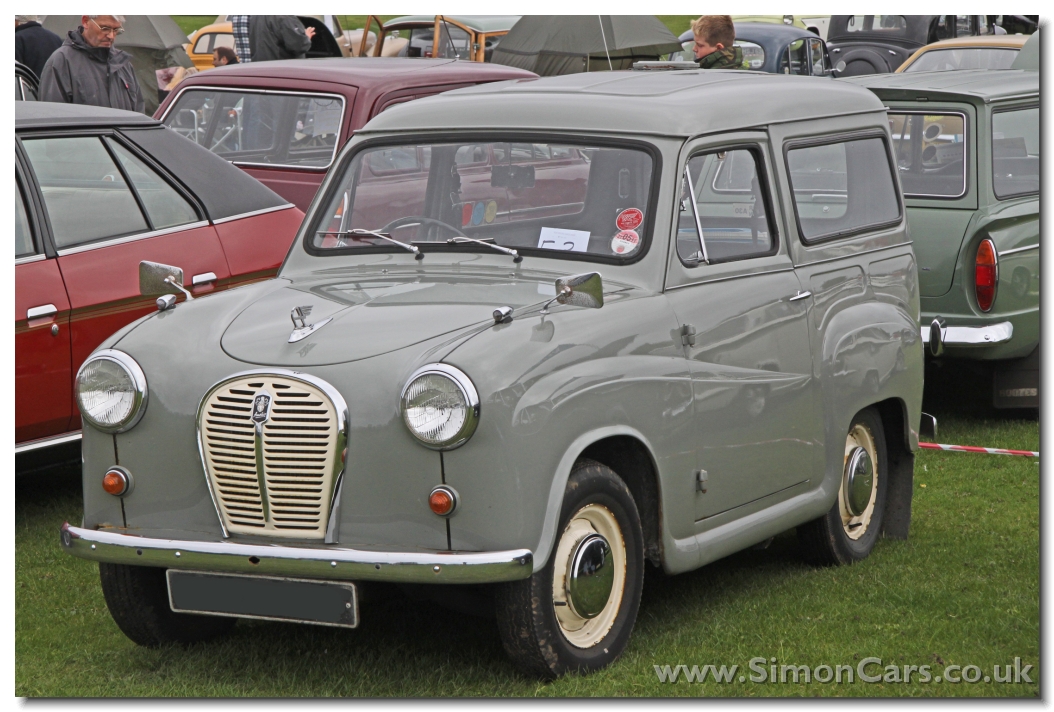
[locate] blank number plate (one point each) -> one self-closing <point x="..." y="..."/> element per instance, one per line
<point x="268" y="598"/>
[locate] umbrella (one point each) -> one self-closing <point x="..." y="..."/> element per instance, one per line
<point x="565" y="44"/>
<point x="154" y="41"/>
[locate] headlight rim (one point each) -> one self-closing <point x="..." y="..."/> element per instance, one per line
<point x="468" y="391"/>
<point x="142" y="392"/>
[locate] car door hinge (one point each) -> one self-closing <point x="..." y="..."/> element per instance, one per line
<point x="701" y="478"/>
<point x="687" y="335"/>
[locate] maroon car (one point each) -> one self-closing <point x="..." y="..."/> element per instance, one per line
<point x="283" y="122"/>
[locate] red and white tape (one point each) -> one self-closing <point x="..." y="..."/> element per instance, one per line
<point x="970" y="448"/>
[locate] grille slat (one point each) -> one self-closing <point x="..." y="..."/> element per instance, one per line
<point x="300" y="445"/>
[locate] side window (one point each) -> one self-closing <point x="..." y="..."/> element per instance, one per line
<point x="843" y="187"/>
<point x="727" y="200"/>
<point x="1015" y="152"/>
<point x="164" y="205"/>
<point x="795" y="58"/>
<point x="962" y="26"/>
<point x="203" y="45"/>
<point x="817" y="57"/>
<point x="223" y="40"/>
<point x="23" y="231"/>
<point x="84" y="191"/>
<point x="930" y="150"/>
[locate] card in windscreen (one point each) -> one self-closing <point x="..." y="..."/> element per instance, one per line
<point x="328" y="603"/>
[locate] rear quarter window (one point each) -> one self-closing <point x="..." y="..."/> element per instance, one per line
<point x="842" y="187"/>
<point x="1015" y="152"/>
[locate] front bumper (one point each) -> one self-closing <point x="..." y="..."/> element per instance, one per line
<point x="329" y="563"/>
<point x="972" y="336"/>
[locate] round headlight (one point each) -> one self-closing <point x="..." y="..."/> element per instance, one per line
<point x="111" y="391"/>
<point x="440" y="406"/>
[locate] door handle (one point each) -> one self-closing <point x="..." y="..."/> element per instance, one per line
<point x="203" y="278"/>
<point x="800" y="295"/>
<point x="41" y="311"/>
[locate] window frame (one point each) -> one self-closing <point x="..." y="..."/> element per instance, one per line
<point x="35" y="235"/>
<point x="991" y="149"/>
<point x="844" y="137"/>
<point x="333" y="183"/>
<point x="282" y="92"/>
<point x="758" y="153"/>
<point x="967" y="155"/>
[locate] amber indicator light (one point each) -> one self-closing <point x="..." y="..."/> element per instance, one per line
<point x="985" y="275"/>
<point x="441" y="502"/>
<point x="115" y="482"/>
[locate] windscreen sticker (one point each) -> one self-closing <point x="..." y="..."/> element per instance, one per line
<point x="555" y="238"/>
<point x="466" y="214"/>
<point x="477" y="213"/>
<point x="629" y="219"/>
<point x="491" y="212"/>
<point x="625" y="242"/>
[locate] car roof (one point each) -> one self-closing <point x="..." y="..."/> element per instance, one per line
<point x="358" y="71"/>
<point x="761" y="31"/>
<point x="671" y="103"/>
<point x="1009" y="41"/>
<point x="46" y="114"/>
<point x="986" y="85"/>
<point x="479" y="23"/>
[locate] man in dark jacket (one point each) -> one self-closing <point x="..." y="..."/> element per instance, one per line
<point x="714" y="38"/>
<point x="88" y="69"/>
<point x="33" y="43"/>
<point x="278" y="37"/>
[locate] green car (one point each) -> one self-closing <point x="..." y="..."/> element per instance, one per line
<point x="967" y="147"/>
<point x="531" y="338"/>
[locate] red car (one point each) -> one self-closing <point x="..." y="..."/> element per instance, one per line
<point x="96" y="192"/>
<point x="283" y="122"/>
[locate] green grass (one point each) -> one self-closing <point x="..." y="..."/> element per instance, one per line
<point x="964" y="589"/>
<point x="190" y="23"/>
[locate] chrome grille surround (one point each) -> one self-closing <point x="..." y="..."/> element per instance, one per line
<point x="278" y="474"/>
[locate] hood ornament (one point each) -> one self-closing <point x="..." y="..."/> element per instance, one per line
<point x="301" y="329"/>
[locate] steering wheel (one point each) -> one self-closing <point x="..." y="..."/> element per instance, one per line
<point x="419" y="219"/>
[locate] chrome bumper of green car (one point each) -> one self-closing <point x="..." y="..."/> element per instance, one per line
<point x="321" y="563"/>
<point x="971" y="336"/>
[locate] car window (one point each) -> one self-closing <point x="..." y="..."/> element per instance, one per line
<point x="23" y="231"/>
<point x="818" y="58"/>
<point x="1015" y="152"/>
<point x="840" y="188"/>
<point x="729" y="199"/>
<point x="795" y="59"/>
<point x="753" y="54"/>
<point x="203" y="44"/>
<point x="260" y="129"/>
<point x="931" y="153"/>
<point x="164" y="205"/>
<point x="944" y="60"/>
<point x="85" y="193"/>
<point x="540" y="197"/>
<point x="962" y="25"/>
<point x="876" y="23"/>
<point x="223" y="40"/>
<point x="454" y="42"/>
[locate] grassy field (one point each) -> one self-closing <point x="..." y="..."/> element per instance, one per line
<point x="964" y="590"/>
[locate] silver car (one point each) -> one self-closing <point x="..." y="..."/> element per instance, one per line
<point x="532" y="337"/>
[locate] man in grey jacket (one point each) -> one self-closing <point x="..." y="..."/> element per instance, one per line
<point x="278" y="37"/>
<point x="88" y="69"/>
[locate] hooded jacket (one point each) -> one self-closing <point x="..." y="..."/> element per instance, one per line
<point x="77" y="73"/>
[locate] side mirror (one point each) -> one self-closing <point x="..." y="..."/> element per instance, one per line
<point x="157" y="278"/>
<point x="579" y="290"/>
<point x="840" y="67"/>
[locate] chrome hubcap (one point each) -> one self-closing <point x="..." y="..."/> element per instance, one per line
<point x="859" y="479"/>
<point x="591" y="577"/>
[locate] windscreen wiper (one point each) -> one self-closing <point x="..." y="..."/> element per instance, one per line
<point x="359" y="232"/>
<point x="459" y="239"/>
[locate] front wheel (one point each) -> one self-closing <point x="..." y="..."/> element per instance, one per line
<point x="577" y="613"/>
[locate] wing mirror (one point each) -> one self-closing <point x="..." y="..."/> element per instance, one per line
<point x="166" y="280"/>
<point x="579" y="290"/>
<point x="838" y="68"/>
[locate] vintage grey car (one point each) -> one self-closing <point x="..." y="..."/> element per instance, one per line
<point x="967" y="148"/>
<point x="531" y="336"/>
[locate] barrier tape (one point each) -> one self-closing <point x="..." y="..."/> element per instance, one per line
<point x="970" y="448"/>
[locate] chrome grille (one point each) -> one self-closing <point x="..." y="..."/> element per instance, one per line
<point x="272" y="474"/>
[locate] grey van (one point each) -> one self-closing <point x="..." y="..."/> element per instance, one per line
<point x="532" y="336"/>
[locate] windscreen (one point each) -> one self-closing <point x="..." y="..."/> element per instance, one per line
<point x="577" y="199"/>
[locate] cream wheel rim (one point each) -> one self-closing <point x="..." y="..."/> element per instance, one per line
<point x="587" y="522"/>
<point x="855" y="526"/>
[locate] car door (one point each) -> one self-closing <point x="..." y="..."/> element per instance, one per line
<point x="43" y="378"/>
<point x="108" y="208"/>
<point x="744" y="330"/>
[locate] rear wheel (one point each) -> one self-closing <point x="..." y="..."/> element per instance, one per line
<point x="137" y="597"/>
<point x="848" y="532"/>
<point x="577" y="613"/>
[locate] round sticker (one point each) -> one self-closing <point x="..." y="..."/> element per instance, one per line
<point x="466" y="213"/>
<point x="477" y="213"/>
<point x="629" y="219"/>
<point x="492" y="211"/>
<point x="625" y="242"/>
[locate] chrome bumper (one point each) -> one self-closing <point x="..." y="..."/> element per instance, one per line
<point x="972" y="336"/>
<point x="341" y="564"/>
